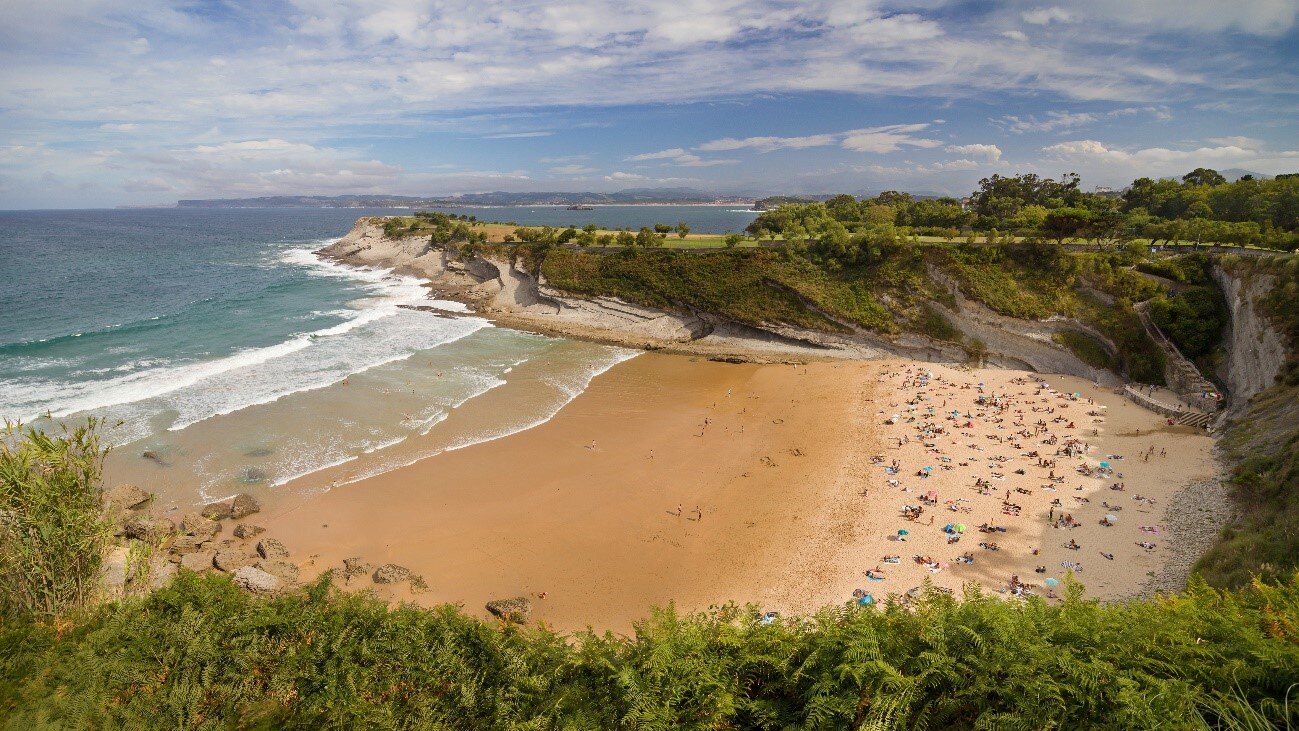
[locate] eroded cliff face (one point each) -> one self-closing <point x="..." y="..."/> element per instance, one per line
<point x="1256" y="350"/>
<point x="500" y="289"/>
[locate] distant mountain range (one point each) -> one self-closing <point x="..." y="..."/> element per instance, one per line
<point x="498" y="198"/>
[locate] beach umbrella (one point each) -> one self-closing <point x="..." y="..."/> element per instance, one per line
<point x="868" y="599"/>
<point x="904" y="532"/>
<point x="1051" y="582"/>
<point x="1105" y="465"/>
<point x="949" y="528"/>
<point x="1111" y="518"/>
<point x="960" y="527"/>
<point x="929" y="469"/>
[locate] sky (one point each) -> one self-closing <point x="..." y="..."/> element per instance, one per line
<point x="136" y="102"/>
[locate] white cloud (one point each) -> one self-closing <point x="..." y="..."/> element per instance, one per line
<point x="1102" y="159"/>
<point x="516" y="135"/>
<point x="572" y="170"/>
<point x="1014" y="35"/>
<point x="1046" y="16"/>
<point x="1257" y="17"/>
<point x="954" y="165"/>
<point x="1248" y="143"/>
<point x="678" y="156"/>
<point x="889" y="138"/>
<point x="673" y="153"/>
<point x="991" y="153"/>
<point x="619" y="176"/>
<point x="1058" y="120"/>
<point x="768" y="144"/>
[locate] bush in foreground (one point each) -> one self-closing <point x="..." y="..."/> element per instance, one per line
<point x="200" y="654"/>
<point x="52" y="533"/>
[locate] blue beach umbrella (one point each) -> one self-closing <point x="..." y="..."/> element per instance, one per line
<point x="904" y="532"/>
<point x="1105" y="465"/>
<point x="1051" y="582"/>
<point x="868" y="599"/>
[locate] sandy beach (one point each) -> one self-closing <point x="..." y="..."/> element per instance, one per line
<point x="784" y="479"/>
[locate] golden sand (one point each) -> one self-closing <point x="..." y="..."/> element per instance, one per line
<point x="779" y="472"/>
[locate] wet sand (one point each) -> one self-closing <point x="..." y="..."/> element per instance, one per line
<point x="778" y="459"/>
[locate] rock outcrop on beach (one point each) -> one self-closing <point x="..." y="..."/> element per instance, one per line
<point x="257" y="581"/>
<point x="516" y="609"/>
<point x="391" y="573"/>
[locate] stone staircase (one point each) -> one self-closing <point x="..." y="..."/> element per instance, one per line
<point x="1196" y="419"/>
<point x="1181" y="374"/>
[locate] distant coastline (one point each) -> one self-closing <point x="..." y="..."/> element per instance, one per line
<point x="640" y="196"/>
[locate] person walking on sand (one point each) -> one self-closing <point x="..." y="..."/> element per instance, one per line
<point x="678" y="513"/>
<point x="699" y="515"/>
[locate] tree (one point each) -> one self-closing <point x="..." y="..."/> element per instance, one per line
<point x="683" y="229"/>
<point x="662" y="228"/>
<point x="1109" y="228"/>
<point x="625" y="238"/>
<point x="1064" y="223"/>
<point x="1203" y="176"/>
<point x="893" y="198"/>
<point x="733" y="240"/>
<point x="647" y="238"/>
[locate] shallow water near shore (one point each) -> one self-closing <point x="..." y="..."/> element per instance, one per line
<point x="223" y="356"/>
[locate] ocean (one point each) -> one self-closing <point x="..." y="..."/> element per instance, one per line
<point x="223" y="356"/>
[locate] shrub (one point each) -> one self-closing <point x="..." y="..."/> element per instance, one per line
<point x="52" y="532"/>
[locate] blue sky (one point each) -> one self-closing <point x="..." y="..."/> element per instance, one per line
<point x="108" y="102"/>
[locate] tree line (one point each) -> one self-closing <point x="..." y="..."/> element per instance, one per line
<point x="1202" y="207"/>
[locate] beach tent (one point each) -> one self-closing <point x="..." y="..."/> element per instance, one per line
<point x="904" y="532"/>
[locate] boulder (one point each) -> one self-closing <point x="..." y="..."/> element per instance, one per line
<point x="113" y="572"/>
<point x="216" y="511"/>
<point x="231" y="559"/>
<point x="518" y="609"/>
<point x="243" y="506"/>
<point x="246" y="530"/>
<point x="198" y="561"/>
<point x="257" y="581"/>
<point x="125" y="497"/>
<point x="354" y="567"/>
<point x="391" y="573"/>
<point x="187" y="544"/>
<point x="143" y="527"/>
<point x="271" y="548"/>
<point x="160" y="572"/>
<point x="285" y="571"/>
<point x="194" y="524"/>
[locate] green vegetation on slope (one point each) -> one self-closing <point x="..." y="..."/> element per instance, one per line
<point x="199" y="654"/>
<point x="760" y="286"/>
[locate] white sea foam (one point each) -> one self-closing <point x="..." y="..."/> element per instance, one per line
<point x="380" y="331"/>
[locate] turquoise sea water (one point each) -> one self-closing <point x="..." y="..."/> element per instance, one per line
<point x="224" y="355"/>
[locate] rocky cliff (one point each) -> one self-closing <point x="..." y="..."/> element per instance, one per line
<point x="1256" y="349"/>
